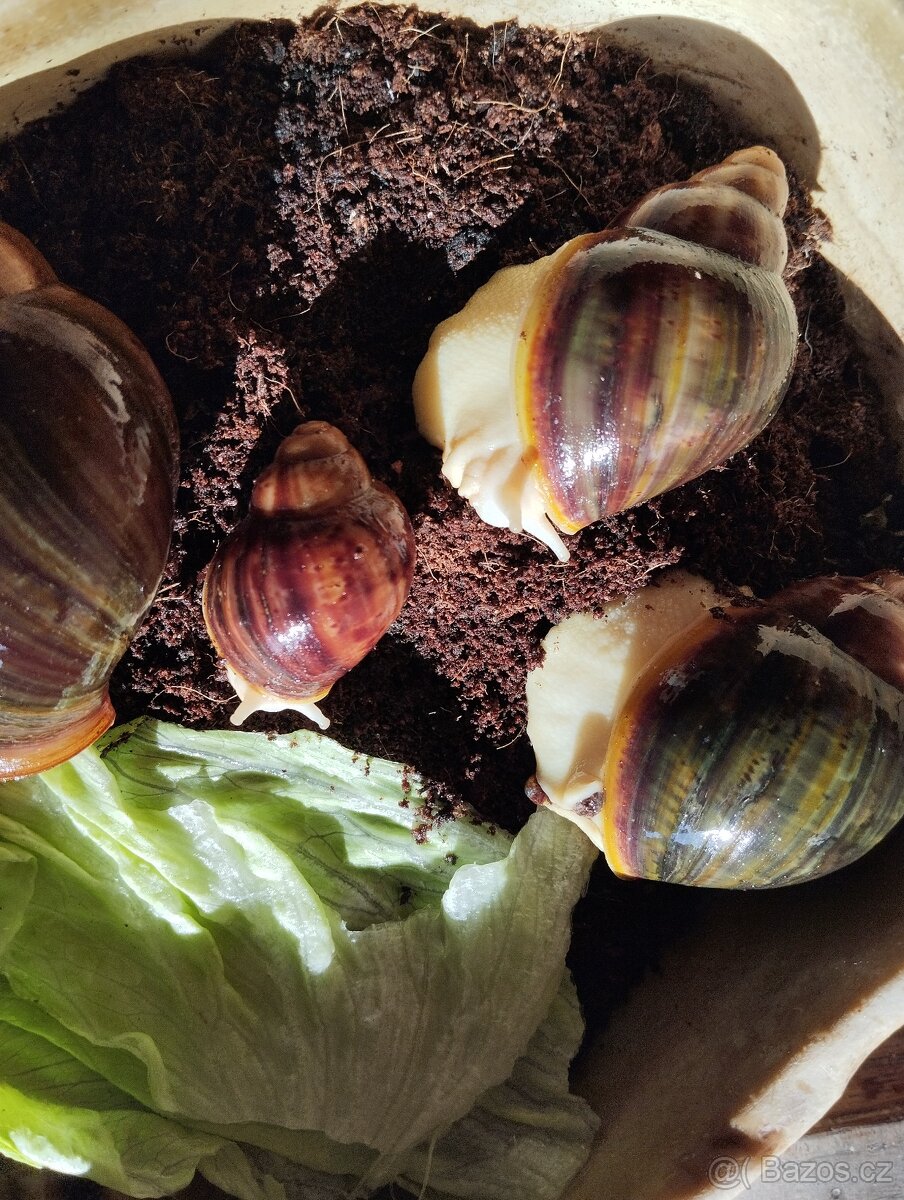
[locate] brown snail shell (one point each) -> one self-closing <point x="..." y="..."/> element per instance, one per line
<point x="760" y="746"/>
<point x="642" y="356"/>
<point x="310" y="581"/>
<point x="87" y="480"/>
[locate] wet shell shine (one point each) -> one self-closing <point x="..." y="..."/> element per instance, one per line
<point x="645" y="361"/>
<point x="762" y="747"/>
<point x="87" y="479"/>
<point x="312" y="579"/>
<point x="626" y="363"/>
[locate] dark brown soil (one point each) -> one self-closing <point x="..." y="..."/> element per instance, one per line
<point x="284" y="220"/>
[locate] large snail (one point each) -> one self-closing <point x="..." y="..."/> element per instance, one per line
<point x="312" y="579"/>
<point x="624" y="364"/>
<point x="758" y="746"/>
<point x="87" y="478"/>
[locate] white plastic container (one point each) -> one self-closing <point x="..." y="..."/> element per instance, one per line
<point x="755" y="1025"/>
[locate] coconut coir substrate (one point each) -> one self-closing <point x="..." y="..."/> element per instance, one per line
<point x="283" y="221"/>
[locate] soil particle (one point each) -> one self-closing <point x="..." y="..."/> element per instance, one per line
<point x="283" y="221"/>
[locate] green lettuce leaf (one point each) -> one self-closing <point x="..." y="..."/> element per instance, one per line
<point x="526" y="1137"/>
<point x="251" y="956"/>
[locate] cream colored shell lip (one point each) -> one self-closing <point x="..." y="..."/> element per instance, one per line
<point x="740" y="1043"/>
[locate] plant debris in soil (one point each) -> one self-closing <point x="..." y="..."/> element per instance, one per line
<point x="283" y="220"/>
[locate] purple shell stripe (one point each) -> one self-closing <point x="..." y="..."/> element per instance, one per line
<point x="649" y="360"/>
<point x="763" y="748"/>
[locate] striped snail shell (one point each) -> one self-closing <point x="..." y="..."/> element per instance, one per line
<point x="310" y="581"/>
<point x="626" y="363"/>
<point x="762" y="746"/>
<point x="87" y="479"/>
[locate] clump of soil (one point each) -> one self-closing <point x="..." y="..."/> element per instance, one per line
<point x="283" y="221"/>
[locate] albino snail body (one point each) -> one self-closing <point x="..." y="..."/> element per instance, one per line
<point x="87" y="478"/>
<point x="624" y="364"/>
<point x="312" y="579"/>
<point x="743" y="747"/>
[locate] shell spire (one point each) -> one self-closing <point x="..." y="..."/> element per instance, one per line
<point x="735" y="207"/>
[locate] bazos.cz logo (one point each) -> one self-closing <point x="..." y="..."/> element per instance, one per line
<point x="727" y="1173"/>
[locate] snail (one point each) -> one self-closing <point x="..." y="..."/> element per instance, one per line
<point x="755" y="746"/>
<point x="624" y="364"/>
<point x="87" y="485"/>
<point x="310" y="581"/>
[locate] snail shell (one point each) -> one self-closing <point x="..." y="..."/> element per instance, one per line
<point x="760" y="746"/>
<point x="626" y="363"/>
<point x="310" y="581"/>
<point x="87" y="480"/>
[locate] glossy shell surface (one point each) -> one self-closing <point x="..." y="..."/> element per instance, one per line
<point x="654" y="351"/>
<point x="312" y="579"/>
<point x="762" y="747"/>
<point x="87" y="478"/>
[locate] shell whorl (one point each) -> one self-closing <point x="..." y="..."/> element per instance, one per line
<point x="762" y="746"/>
<point x="22" y="266"/>
<point x="315" y="469"/>
<point x="735" y="207"/>
<point x="87" y="483"/>
<point x="654" y="351"/>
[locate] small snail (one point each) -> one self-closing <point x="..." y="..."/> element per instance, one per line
<point x="758" y="747"/>
<point x="87" y="480"/>
<point x="310" y="581"/>
<point x="624" y="364"/>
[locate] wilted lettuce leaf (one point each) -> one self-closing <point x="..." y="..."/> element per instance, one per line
<point x="230" y="952"/>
